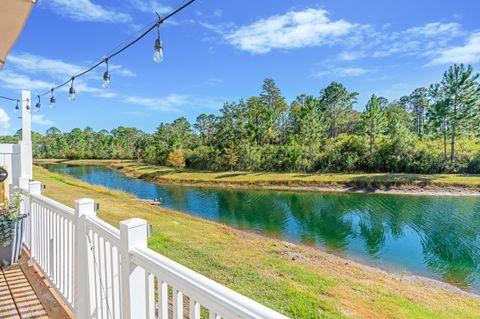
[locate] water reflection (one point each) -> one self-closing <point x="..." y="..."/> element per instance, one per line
<point x="434" y="236"/>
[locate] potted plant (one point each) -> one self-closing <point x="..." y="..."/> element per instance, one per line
<point x="11" y="231"/>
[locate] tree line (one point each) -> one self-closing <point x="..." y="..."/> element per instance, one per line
<point x="434" y="129"/>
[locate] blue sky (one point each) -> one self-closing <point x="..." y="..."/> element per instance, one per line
<point x="218" y="51"/>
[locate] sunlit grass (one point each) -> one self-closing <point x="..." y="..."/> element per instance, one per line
<point x="316" y="285"/>
<point x="363" y="180"/>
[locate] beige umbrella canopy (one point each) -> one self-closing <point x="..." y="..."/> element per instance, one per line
<point x="13" y="14"/>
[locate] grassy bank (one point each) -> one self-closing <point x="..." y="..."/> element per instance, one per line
<point x="406" y="183"/>
<point x="298" y="281"/>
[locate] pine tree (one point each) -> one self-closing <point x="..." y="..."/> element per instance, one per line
<point x="437" y="115"/>
<point x="461" y="91"/>
<point x="373" y="122"/>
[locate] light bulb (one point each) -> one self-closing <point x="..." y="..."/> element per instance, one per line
<point x="106" y="79"/>
<point x="17" y="108"/>
<point x="71" y="95"/>
<point x="52" y="102"/>
<point x="52" y="99"/>
<point x="37" y="106"/>
<point x="158" y="51"/>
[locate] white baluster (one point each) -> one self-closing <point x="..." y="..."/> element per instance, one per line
<point x="194" y="309"/>
<point x="177" y="304"/>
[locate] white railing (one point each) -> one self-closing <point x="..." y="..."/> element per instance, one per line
<point x="102" y="272"/>
<point x="50" y="230"/>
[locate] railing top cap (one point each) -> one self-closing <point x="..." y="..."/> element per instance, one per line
<point x="133" y="222"/>
<point x="84" y="200"/>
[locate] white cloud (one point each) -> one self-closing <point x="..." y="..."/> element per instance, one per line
<point x="169" y="103"/>
<point x="15" y="81"/>
<point x="343" y="72"/>
<point x="55" y="68"/>
<point x="24" y="66"/>
<point x="35" y="64"/>
<point x="41" y="120"/>
<point x="313" y="27"/>
<point x="150" y="6"/>
<point x="120" y="70"/>
<point x="437" y="29"/>
<point x="420" y="40"/>
<point x="468" y="53"/>
<point x="4" y="122"/>
<point x="351" y="55"/>
<point x="86" y="10"/>
<point x="295" y="29"/>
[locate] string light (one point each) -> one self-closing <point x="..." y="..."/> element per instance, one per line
<point x="52" y="100"/>
<point x="106" y="76"/>
<point x="37" y="106"/>
<point x="17" y="107"/>
<point x="158" y="47"/>
<point x="71" y="92"/>
<point x="158" y="57"/>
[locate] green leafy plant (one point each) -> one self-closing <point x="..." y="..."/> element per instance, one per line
<point x="9" y="215"/>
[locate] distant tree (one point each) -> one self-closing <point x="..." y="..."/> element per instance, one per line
<point x="438" y="119"/>
<point x="205" y="125"/>
<point x="313" y="133"/>
<point x="273" y="108"/>
<point x="398" y="119"/>
<point x="176" y="159"/>
<point x="419" y="104"/>
<point x="306" y="121"/>
<point x="231" y="125"/>
<point x="336" y="102"/>
<point x="373" y="122"/>
<point x="231" y="156"/>
<point x="460" y="91"/>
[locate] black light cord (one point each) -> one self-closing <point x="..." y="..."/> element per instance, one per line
<point x="111" y="55"/>
<point x="8" y="98"/>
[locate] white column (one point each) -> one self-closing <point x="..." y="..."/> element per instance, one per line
<point x="83" y="263"/>
<point x="34" y="187"/>
<point x="26" y="143"/>
<point x="133" y="233"/>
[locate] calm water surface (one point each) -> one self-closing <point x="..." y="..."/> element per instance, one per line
<point x="436" y="236"/>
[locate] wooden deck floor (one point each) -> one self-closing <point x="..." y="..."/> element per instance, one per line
<point x="22" y="292"/>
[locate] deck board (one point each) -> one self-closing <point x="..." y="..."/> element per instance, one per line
<point x="8" y="310"/>
<point x="26" y="301"/>
<point x="25" y="295"/>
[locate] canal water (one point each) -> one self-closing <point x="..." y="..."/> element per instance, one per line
<point x="435" y="236"/>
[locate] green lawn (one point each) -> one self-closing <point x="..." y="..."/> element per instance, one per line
<point x="314" y="285"/>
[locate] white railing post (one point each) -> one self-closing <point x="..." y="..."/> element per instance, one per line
<point x="34" y="188"/>
<point x="133" y="233"/>
<point x="26" y="143"/>
<point x="83" y="267"/>
<point x="24" y="183"/>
